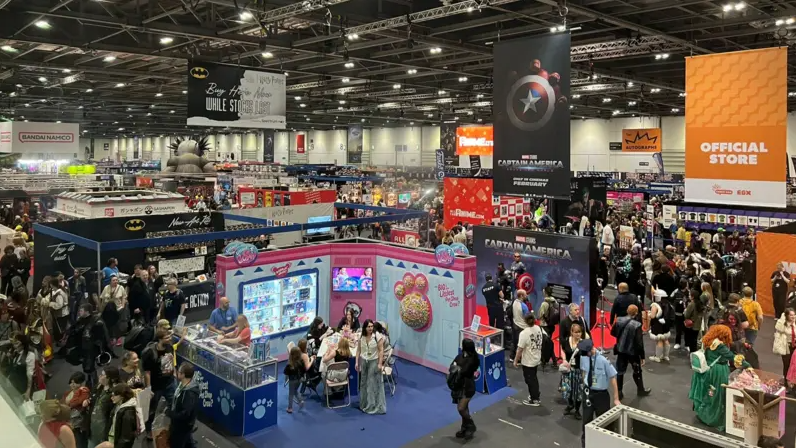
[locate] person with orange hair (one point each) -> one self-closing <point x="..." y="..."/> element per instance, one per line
<point x="706" y="392"/>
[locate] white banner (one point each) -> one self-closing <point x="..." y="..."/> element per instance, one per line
<point x="669" y="215"/>
<point x="41" y="141"/>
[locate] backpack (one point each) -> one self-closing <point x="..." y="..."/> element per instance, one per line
<point x="134" y="342"/>
<point x="699" y="363"/>
<point x="454" y="377"/>
<point x="510" y="313"/>
<point x="669" y="314"/>
<point x="553" y="315"/>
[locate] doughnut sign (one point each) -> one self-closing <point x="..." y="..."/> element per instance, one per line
<point x="736" y="128"/>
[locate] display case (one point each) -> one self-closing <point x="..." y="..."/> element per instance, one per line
<point x="236" y="390"/>
<point x="491" y="375"/>
<point x="276" y="305"/>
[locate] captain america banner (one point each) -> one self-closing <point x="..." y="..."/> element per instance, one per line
<point x="531" y="91"/>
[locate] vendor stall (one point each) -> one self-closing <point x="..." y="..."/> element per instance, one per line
<point x="237" y="384"/>
<point x="260" y="197"/>
<point x="105" y="204"/>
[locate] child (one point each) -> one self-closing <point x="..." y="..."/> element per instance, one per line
<point x="294" y="370"/>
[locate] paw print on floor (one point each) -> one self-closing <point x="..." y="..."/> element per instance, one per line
<point x="495" y="370"/>
<point x="227" y="403"/>
<point x="259" y="407"/>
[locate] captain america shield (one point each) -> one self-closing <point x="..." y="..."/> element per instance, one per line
<point x="530" y="103"/>
<point x="526" y="282"/>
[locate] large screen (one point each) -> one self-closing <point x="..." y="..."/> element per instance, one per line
<point x="314" y="219"/>
<point x="352" y="279"/>
<point x="279" y="305"/>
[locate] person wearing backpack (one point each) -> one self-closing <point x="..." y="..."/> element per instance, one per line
<point x="461" y="381"/>
<point x="629" y="350"/>
<point x="549" y="317"/>
<point x="754" y="314"/>
<point x="662" y="320"/>
<point x="158" y="363"/>
<point x="711" y="369"/>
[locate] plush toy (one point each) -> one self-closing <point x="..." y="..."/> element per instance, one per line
<point x="189" y="157"/>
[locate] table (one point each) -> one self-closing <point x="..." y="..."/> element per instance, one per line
<point x="330" y="343"/>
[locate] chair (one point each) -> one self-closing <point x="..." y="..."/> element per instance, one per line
<point x="388" y="371"/>
<point x="331" y="380"/>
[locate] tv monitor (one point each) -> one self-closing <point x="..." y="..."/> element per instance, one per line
<point x="315" y="219"/>
<point x="346" y="279"/>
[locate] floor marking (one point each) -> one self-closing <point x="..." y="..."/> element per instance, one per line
<point x="509" y="423"/>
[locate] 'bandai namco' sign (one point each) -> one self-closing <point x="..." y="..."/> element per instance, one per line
<point x="642" y="140"/>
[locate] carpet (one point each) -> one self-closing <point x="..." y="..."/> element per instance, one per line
<point x="421" y="405"/>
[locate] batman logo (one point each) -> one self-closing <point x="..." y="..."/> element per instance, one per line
<point x="199" y="72"/>
<point x="134" y="225"/>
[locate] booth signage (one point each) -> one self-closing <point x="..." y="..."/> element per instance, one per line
<point x="474" y="141"/>
<point x="281" y="271"/>
<point x="439" y="164"/>
<point x="407" y="237"/>
<point x="467" y="200"/>
<point x="135" y="225"/>
<point x="447" y="141"/>
<point x="735" y="149"/>
<point x="46" y="137"/>
<point x="444" y="255"/>
<point x="246" y="255"/>
<point x="588" y="198"/>
<point x="194" y="221"/>
<point x="268" y="146"/>
<point x="242" y="97"/>
<point x="642" y="140"/>
<point x="355" y="144"/>
<point x="532" y="137"/>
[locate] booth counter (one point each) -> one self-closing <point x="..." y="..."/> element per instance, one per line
<point x="491" y="375"/>
<point x="235" y="392"/>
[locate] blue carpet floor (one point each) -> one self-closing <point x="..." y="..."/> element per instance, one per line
<point x="421" y="405"/>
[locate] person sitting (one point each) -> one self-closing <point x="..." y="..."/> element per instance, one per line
<point x="349" y="321"/>
<point x="241" y="335"/>
<point x="223" y="319"/>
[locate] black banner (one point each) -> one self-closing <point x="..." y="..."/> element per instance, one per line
<point x="200" y="298"/>
<point x="355" y="144"/>
<point x="439" y="164"/>
<point x="447" y="140"/>
<point x="588" y="198"/>
<point x="475" y="163"/>
<point x="242" y="97"/>
<point x="531" y="92"/>
<point x="268" y="146"/>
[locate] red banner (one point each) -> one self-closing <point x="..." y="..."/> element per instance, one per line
<point x="407" y="237"/>
<point x="300" y="143"/>
<point x="468" y="200"/>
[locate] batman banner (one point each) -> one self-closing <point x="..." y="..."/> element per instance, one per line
<point x="531" y="94"/>
<point x="241" y="97"/>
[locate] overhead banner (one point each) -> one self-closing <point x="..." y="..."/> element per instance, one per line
<point x="300" y="138"/>
<point x="736" y="127"/>
<point x="642" y="140"/>
<point x="531" y="92"/>
<point x="447" y="140"/>
<point x="467" y="200"/>
<point x="355" y="144"/>
<point x="234" y="96"/>
<point x="549" y="259"/>
<point x="474" y="141"/>
<point x="268" y="146"/>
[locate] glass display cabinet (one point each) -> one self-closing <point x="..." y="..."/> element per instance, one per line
<point x="236" y="391"/>
<point x="491" y="375"/>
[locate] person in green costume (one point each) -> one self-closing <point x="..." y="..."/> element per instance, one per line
<point x="706" y="392"/>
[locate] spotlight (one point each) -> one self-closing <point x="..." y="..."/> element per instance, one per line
<point x="184" y="92"/>
<point x="396" y="86"/>
<point x="42" y="79"/>
<point x="561" y="28"/>
<point x="109" y="58"/>
<point x="302" y="105"/>
<point x="630" y="84"/>
<point x="341" y="101"/>
<point x="166" y="40"/>
<point x="576" y="96"/>
<point x="479" y="96"/>
<point x="171" y="111"/>
<point x="354" y="36"/>
<point x="740" y="6"/>
<point x="655" y="90"/>
<point x="631" y="103"/>
<point x="297" y="98"/>
<point x="462" y="79"/>
<point x="435" y="50"/>
<point x="727" y="7"/>
<point x="344" y="80"/>
<point x="411" y="71"/>
<point x="661" y="56"/>
<point x="340" y="108"/>
<point x="779" y="22"/>
<point x="58" y="121"/>
<point x="791" y="94"/>
<point x="158" y="94"/>
<point x="66" y="70"/>
<point x="682" y="95"/>
<point x="606" y="100"/>
<point x="43" y="24"/>
<point x="790" y="21"/>
<point x="245" y="15"/>
<point x="441" y="92"/>
<point x="616" y="112"/>
<point x="675" y="110"/>
<point x="267" y="54"/>
<point x="121" y="84"/>
<point x="349" y="65"/>
<point x="8" y="49"/>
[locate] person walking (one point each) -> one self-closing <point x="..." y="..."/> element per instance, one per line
<point x="369" y="364"/>
<point x="573" y="380"/>
<point x="549" y="317"/>
<point x="529" y="354"/>
<point x="661" y="321"/>
<point x="126" y="419"/>
<point x="158" y="362"/>
<point x="461" y="381"/>
<point x="100" y="407"/>
<point x="629" y="350"/>
<point x="754" y="314"/>
<point x="680" y="300"/>
<point x="623" y="301"/>
<point x="493" y="295"/>
<point x="184" y="409"/>
<point x="785" y="338"/>
<point x="694" y="322"/>
<point x="599" y="375"/>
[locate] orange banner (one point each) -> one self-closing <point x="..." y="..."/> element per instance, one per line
<point x="736" y="127"/>
<point x="642" y="140"/>
<point x="474" y="141"/>
<point x="773" y="248"/>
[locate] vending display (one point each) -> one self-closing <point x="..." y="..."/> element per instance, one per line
<point x="279" y="305"/>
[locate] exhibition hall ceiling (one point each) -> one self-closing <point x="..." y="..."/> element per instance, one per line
<point x="118" y="67"/>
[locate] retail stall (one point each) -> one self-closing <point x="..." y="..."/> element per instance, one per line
<point x="104" y="204"/>
<point x="261" y="197"/>
<point x="292" y="214"/>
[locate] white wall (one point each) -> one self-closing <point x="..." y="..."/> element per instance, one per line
<point x="327" y="146"/>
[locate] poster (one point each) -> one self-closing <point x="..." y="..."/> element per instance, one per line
<point x="670" y="216"/>
<point x="588" y="198"/>
<point x="642" y="140"/>
<point x="355" y="144"/>
<point x="549" y="259"/>
<point x="268" y="146"/>
<point x="467" y="200"/>
<point x="474" y="141"/>
<point x="241" y="97"/>
<point x="532" y="138"/>
<point x="447" y="142"/>
<point x="736" y="128"/>
<point x="300" y="141"/>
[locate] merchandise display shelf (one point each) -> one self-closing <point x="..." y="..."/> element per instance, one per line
<point x="491" y="375"/>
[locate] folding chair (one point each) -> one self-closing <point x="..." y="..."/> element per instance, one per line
<point x="332" y="373"/>
<point x="388" y="371"/>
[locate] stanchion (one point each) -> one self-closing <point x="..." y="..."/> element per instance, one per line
<point x="601" y="330"/>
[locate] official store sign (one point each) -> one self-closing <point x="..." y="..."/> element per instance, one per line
<point x="46" y="137"/>
<point x="223" y="95"/>
<point x="736" y="140"/>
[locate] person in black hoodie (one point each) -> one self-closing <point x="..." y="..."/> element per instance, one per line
<point x="680" y="299"/>
<point x="139" y="299"/>
<point x="629" y="349"/>
<point x="184" y="409"/>
<point x="464" y="389"/>
<point x="88" y="338"/>
<point x="623" y="301"/>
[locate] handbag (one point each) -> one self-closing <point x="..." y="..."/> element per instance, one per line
<point x="688" y="323"/>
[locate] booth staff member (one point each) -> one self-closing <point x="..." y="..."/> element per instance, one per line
<point x="494" y="302"/>
<point x="779" y="289"/>
<point x="598" y="375"/>
<point x="222" y="319"/>
<point x="174" y="303"/>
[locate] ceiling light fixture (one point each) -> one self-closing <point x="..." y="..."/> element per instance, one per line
<point x="245" y="15"/>
<point x="411" y="71"/>
<point x="344" y="80"/>
<point x="159" y="94"/>
<point x="435" y="50"/>
<point x="630" y="84"/>
<point x="655" y="90"/>
<point x="606" y="100"/>
<point x="109" y="58"/>
<point x="121" y="84"/>
<point x="166" y="40"/>
<point x="462" y="79"/>
<point x="631" y="103"/>
<point x="171" y="111"/>
<point x="8" y="49"/>
<point x="616" y="112"/>
<point x="682" y="94"/>
<point x="790" y="21"/>
<point x="66" y="70"/>
<point x="662" y="56"/>
<point x="268" y="54"/>
<point x="349" y="65"/>
<point x="339" y="107"/>
<point x="297" y="98"/>
<point x="184" y="92"/>
<point x="302" y="105"/>
<point x="441" y="92"/>
<point x="675" y="110"/>
<point x="791" y="94"/>
<point x="27" y="104"/>
<point x="58" y="121"/>
<point x="341" y="101"/>
<point x="42" y="79"/>
<point x="43" y="24"/>
<point x="18" y="86"/>
<point x="362" y="120"/>
<point x="396" y="86"/>
<point x="354" y="36"/>
<point x="12" y="94"/>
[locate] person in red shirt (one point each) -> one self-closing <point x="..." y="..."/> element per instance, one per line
<point x="77" y="399"/>
<point x="241" y="335"/>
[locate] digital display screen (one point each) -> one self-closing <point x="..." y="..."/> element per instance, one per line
<point x="352" y="279"/>
<point x="314" y="219"/>
<point x="279" y="305"/>
<point x="404" y="198"/>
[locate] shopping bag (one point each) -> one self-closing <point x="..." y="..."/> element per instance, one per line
<point x="28" y="409"/>
<point x="144" y="398"/>
<point x="39" y="396"/>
